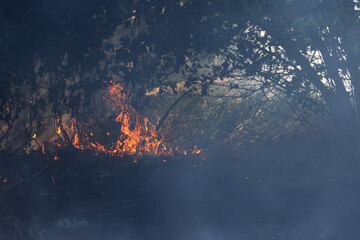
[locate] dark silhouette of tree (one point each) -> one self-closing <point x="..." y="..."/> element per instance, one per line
<point x="306" y="51"/>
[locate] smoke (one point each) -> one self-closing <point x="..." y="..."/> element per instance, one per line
<point x="177" y="201"/>
<point x="231" y="195"/>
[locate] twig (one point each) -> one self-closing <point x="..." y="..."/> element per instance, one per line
<point x="172" y="106"/>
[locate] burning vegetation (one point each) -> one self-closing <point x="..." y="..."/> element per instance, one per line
<point x="270" y="89"/>
<point x="130" y="133"/>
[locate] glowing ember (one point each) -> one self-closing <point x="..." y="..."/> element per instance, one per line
<point x="196" y="150"/>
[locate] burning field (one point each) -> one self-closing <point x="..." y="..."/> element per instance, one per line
<point x="115" y="173"/>
<point x="127" y="133"/>
<point x="179" y="120"/>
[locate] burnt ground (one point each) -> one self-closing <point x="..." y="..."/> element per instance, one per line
<point x="239" y="194"/>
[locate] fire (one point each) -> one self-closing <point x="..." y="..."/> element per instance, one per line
<point x="38" y="144"/>
<point x="135" y="135"/>
<point x="196" y="150"/>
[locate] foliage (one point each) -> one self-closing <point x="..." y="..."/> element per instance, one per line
<point x="57" y="55"/>
<point x="307" y="53"/>
<point x="210" y="121"/>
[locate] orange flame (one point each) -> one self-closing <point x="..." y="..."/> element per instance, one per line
<point x="196" y="150"/>
<point x="136" y="135"/>
<point x="58" y="131"/>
